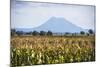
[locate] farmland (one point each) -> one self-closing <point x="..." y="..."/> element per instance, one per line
<point x="36" y="50"/>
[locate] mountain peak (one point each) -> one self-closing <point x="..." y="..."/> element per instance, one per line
<point x="56" y="18"/>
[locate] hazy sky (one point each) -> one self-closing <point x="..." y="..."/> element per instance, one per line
<point x="33" y="14"/>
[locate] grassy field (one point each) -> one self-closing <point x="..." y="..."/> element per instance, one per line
<point x="35" y="50"/>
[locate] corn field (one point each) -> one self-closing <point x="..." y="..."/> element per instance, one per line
<point x="36" y="50"/>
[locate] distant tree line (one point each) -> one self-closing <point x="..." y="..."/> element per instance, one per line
<point x="42" y="33"/>
<point x="34" y="33"/>
<point x="48" y="33"/>
<point x="90" y="32"/>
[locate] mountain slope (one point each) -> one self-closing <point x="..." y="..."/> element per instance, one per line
<point x="59" y="25"/>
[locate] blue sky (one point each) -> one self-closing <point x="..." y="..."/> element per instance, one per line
<point x="33" y="14"/>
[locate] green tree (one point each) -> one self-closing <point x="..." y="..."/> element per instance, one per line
<point x="82" y="32"/>
<point x="90" y="31"/>
<point x="35" y="33"/>
<point x="19" y="33"/>
<point x="67" y="33"/>
<point x="42" y="33"/>
<point x="49" y="33"/>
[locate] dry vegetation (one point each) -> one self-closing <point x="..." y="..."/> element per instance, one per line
<point x="33" y="50"/>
